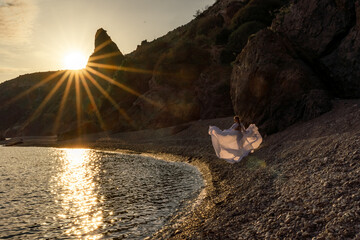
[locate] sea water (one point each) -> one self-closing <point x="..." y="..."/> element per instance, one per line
<point x="49" y="193"/>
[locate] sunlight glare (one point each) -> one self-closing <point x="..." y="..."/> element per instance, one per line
<point x="76" y="189"/>
<point x="75" y="61"/>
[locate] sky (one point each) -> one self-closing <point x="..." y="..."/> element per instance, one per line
<point x="36" y="35"/>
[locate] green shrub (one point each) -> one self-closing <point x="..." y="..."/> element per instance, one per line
<point x="208" y="23"/>
<point x="181" y="65"/>
<point x="202" y="40"/>
<point x="189" y="52"/>
<point x="227" y="56"/>
<point x="238" y="39"/>
<point x="222" y="37"/>
<point x="257" y="10"/>
<point x="191" y="30"/>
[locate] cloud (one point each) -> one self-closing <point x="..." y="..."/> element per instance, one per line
<point x="17" y="18"/>
<point x="11" y="70"/>
<point x="5" y="54"/>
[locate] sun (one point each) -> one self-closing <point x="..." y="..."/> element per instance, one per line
<point x="75" y="61"/>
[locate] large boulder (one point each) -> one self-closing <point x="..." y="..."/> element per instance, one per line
<point x="315" y="26"/>
<point x="325" y="34"/>
<point x="272" y="87"/>
<point x="343" y="63"/>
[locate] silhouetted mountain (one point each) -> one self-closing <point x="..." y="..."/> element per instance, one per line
<point x="273" y="62"/>
<point x="106" y="53"/>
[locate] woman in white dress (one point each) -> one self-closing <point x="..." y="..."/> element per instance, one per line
<point x="235" y="143"/>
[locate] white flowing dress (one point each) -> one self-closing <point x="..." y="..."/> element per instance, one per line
<point x="233" y="145"/>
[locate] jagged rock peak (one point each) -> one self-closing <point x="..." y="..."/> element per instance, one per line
<point x="106" y="52"/>
<point x="104" y="43"/>
<point x="102" y="38"/>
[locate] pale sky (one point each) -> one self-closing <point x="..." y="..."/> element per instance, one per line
<point x="36" y="35"/>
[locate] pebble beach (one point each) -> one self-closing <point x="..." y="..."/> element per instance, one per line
<point x="302" y="183"/>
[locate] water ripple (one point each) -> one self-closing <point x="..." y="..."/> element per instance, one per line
<point x="87" y="194"/>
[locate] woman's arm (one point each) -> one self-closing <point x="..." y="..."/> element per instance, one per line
<point x="235" y="126"/>
<point x="242" y="128"/>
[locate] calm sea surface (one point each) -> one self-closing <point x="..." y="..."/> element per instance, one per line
<point x="48" y="193"/>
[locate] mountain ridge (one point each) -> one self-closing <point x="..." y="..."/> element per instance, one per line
<point x="257" y="59"/>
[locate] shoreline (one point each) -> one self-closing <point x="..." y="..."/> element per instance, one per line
<point x="301" y="182"/>
<point x="180" y="215"/>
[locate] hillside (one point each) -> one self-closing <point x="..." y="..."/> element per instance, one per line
<point x="182" y="76"/>
<point x="273" y="62"/>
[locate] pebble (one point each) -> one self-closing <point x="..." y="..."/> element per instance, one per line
<point x="313" y="202"/>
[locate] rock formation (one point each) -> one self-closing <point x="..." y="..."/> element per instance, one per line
<point x="313" y="27"/>
<point x="342" y="62"/>
<point x="272" y="86"/>
<point x="271" y="62"/>
<point x="290" y="71"/>
<point x="325" y="33"/>
<point x="107" y="56"/>
<point x="192" y="70"/>
<point x="172" y="97"/>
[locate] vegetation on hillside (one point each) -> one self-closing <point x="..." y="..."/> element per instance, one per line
<point x="178" y="65"/>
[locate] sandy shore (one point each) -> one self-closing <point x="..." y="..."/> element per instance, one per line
<point x="301" y="183"/>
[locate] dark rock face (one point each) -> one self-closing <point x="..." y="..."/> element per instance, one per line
<point x="343" y="63"/>
<point x="106" y="54"/>
<point x="272" y="87"/>
<point x="19" y="103"/>
<point x="325" y="34"/>
<point x="291" y="72"/>
<point x="165" y="106"/>
<point x="171" y="98"/>
<point x="314" y="25"/>
<point x="213" y="91"/>
<point x="280" y="76"/>
<point x="186" y="96"/>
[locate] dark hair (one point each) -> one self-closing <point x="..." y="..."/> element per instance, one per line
<point x="237" y="117"/>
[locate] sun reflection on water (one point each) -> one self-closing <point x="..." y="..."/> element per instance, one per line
<point x="76" y="190"/>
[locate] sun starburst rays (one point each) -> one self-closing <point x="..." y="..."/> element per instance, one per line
<point x="121" y="68"/>
<point x="102" y="45"/>
<point x="103" y="56"/>
<point x="31" y="89"/>
<point x="46" y="100"/>
<point x="120" y="85"/>
<point x="78" y="102"/>
<point x="112" y="81"/>
<point x="82" y="83"/>
<point x="92" y="100"/>
<point x="109" y="98"/>
<point x="63" y="102"/>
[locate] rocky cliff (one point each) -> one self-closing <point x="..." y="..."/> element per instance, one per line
<point x="186" y="74"/>
<point x="291" y="71"/>
<point x="106" y="54"/>
<point x="273" y="62"/>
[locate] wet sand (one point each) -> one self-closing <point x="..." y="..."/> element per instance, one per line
<point x="301" y="183"/>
